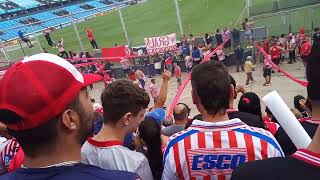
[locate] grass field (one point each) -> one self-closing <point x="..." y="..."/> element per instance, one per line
<point x="158" y="17"/>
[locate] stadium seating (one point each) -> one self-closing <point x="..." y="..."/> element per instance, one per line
<point x="48" y="18"/>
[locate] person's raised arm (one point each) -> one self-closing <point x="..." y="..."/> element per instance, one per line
<point x="164" y="90"/>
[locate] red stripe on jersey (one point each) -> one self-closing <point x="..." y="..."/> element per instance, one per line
<point x="217" y="139"/>
<point x="264" y="149"/>
<point x="187" y="146"/>
<point x="177" y="160"/>
<point x="221" y="177"/>
<point x="232" y="139"/>
<point x="201" y="140"/>
<point x="250" y="147"/>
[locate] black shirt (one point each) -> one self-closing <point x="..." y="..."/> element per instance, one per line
<point x="285" y="142"/>
<point x="289" y="168"/>
<point x="235" y="34"/>
<point x="219" y="38"/>
<point x="250" y="119"/>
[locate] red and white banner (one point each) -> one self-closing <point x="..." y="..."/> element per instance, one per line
<point x="120" y="51"/>
<point x="161" y="44"/>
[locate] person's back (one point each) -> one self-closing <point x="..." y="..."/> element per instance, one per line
<point x="113" y="155"/>
<point x="212" y="148"/>
<point x="79" y="172"/>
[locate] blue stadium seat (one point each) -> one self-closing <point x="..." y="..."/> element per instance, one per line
<point x="26" y="4"/>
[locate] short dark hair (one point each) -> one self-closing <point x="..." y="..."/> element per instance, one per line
<point x="211" y="82"/>
<point x="121" y="97"/>
<point x="181" y="114"/>
<point x="43" y="135"/>
<point x="250" y="103"/>
<point x="218" y="30"/>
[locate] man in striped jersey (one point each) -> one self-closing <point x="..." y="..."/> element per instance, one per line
<point x="212" y="148"/>
<point x="8" y="150"/>
<point x="304" y="163"/>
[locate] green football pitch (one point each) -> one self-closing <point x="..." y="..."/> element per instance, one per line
<point x="158" y="17"/>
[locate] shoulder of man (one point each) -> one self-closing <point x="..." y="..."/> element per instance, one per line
<point x="268" y="169"/>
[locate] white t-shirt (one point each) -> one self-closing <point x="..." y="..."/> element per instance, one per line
<point x="157" y="65"/>
<point x="96" y="106"/>
<point x="112" y="155"/>
<point x="125" y="63"/>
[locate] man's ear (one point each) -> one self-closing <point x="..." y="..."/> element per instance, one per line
<point x="194" y="97"/>
<point x="232" y="93"/>
<point x="126" y="118"/>
<point x="70" y="120"/>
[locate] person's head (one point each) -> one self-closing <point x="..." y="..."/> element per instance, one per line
<point x="250" y="103"/>
<point x="59" y="42"/>
<point x="181" y="112"/>
<point x="238" y="45"/>
<point x="246" y="19"/>
<point x="206" y="35"/>
<point x="249" y="58"/>
<point x="153" y="80"/>
<point x="175" y="64"/>
<point x="149" y="133"/>
<point x="296" y="102"/>
<point x="211" y="89"/>
<point x="48" y="104"/>
<point x="124" y="105"/>
<point x="218" y="30"/>
<point x="93" y="101"/>
<point x="191" y="35"/>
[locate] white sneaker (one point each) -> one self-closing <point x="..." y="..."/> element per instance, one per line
<point x="246" y="86"/>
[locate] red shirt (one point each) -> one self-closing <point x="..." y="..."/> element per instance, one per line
<point x="168" y="61"/>
<point x="90" y="35"/>
<point x="305" y="49"/>
<point x="275" y="52"/>
<point x="266" y="46"/>
<point x="177" y="71"/>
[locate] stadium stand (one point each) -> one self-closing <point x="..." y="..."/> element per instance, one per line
<point x="51" y="16"/>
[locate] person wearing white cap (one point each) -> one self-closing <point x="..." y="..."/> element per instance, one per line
<point x="248" y="68"/>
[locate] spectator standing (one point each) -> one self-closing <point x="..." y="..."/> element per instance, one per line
<point x="46" y="34"/>
<point x="141" y="77"/>
<point x="248" y="31"/>
<point x="180" y="114"/>
<point x="196" y="55"/>
<point x="267" y="68"/>
<point x="207" y="39"/>
<point x="177" y="73"/>
<point x="220" y="54"/>
<point x="66" y="125"/>
<point x="239" y="52"/>
<point x="218" y="37"/>
<point x="266" y="45"/>
<point x="226" y="37"/>
<point x="305" y="50"/>
<point x="157" y="64"/>
<point x="248" y="68"/>
<point x="125" y="67"/>
<point x="92" y="39"/>
<point x="24" y="39"/>
<point x="216" y="136"/>
<point x="62" y="52"/>
<point x="124" y="107"/>
<point x="191" y="42"/>
<point x="275" y="52"/>
<point x="188" y="63"/>
<point x="235" y="37"/>
<point x="292" y="48"/>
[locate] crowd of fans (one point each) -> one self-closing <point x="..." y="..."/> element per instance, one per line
<point x="51" y="128"/>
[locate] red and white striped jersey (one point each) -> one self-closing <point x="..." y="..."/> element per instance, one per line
<point x="7" y="151"/>
<point x="209" y="150"/>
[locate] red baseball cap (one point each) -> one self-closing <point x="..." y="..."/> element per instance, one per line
<point x="39" y="88"/>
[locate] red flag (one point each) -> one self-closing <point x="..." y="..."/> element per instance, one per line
<point x="120" y="51"/>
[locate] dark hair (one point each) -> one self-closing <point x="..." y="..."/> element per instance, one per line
<point x="121" y="97"/>
<point x="296" y="102"/>
<point x="181" y="114"/>
<point x="313" y="73"/>
<point x="246" y="19"/>
<point x="93" y="101"/>
<point x="150" y="133"/>
<point x="211" y="82"/>
<point x="218" y="30"/>
<point x="32" y="140"/>
<point x="250" y="103"/>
